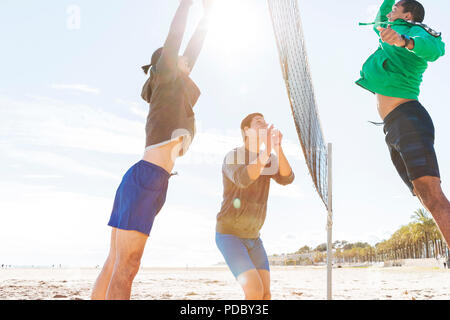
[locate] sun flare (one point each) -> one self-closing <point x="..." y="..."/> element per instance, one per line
<point x="233" y="24"/>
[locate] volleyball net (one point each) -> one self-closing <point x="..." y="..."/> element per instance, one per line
<point x="288" y="30"/>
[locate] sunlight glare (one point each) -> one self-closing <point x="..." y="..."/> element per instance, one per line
<point x="234" y="25"/>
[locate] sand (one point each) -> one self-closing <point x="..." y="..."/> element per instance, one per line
<point x="217" y="283"/>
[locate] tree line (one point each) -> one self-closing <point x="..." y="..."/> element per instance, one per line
<point x="418" y="239"/>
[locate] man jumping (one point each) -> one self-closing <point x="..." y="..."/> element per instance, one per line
<point x="394" y="74"/>
<point x="170" y="128"/>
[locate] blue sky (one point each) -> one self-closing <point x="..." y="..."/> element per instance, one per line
<point x="72" y="122"/>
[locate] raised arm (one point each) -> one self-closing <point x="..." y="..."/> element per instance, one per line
<point x="196" y="43"/>
<point x="167" y="65"/>
<point x="418" y="41"/>
<point x="285" y="175"/>
<point x="385" y="8"/>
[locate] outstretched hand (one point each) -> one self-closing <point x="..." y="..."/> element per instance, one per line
<point x="391" y="37"/>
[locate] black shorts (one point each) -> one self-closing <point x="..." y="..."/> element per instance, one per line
<point x="410" y="138"/>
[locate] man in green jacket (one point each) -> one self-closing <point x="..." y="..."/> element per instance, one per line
<point x="394" y="74"/>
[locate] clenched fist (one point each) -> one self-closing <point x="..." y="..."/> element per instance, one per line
<point x="391" y="37"/>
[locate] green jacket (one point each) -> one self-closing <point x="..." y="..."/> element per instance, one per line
<point x="397" y="72"/>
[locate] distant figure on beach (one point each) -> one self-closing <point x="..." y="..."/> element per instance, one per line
<point x="394" y="74"/>
<point x="170" y="129"/>
<point x="247" y="173"/>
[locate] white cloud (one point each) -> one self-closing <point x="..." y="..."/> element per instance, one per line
<point x="48" y="122"/>
<point x="54" y="160"/>
<point x="290" y="242"/>
<point x="289" y="236"/>
<point x="42" y="176"/>
<point x="76" y="87"/>
<point x="292" y="191"/>
<point x="136" y="108"/>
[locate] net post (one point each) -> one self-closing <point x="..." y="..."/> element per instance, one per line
<point x="330" y="224"/>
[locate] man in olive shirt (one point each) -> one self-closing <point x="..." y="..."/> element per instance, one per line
<point x="246" y="177"/>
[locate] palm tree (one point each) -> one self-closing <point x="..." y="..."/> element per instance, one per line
<point x="416" y="238"/>
<point x="304" y="249"/>
<point x="407" y="242"/>
<point x="426" y="225"/>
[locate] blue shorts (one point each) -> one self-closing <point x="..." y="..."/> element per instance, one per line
<point x="410" y="138"/>
<point x="140" y="197"/>
<point x="242" y="255"/>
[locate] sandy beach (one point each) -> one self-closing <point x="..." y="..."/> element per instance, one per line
<point x="217" y="283"/>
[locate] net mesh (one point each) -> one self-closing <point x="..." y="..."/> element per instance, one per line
<point x="296" y="73"/>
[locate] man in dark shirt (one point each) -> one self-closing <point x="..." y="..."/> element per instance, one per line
<point x="170" y="129"/>
<point x="246" y="178"/>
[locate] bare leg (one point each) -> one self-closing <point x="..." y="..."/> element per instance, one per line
<point x="252" y="284"/>
<point x="102" y="283"/>
<point x="265" y="278"/>
<point x="428" y="190"/>
<point x="129" y="250"/>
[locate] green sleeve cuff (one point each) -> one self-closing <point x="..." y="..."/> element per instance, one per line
<point x="428" y="47"/>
